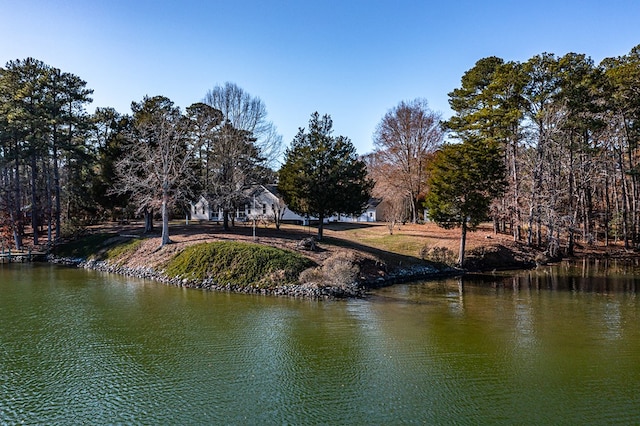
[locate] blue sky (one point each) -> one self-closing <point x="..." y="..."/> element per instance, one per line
<point x="351" y="59"/>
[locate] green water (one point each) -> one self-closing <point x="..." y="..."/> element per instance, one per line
<point x="555" y="346"/>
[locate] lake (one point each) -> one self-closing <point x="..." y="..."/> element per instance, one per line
<point x="554" y="345"/>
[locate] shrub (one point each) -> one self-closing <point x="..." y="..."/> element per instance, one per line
<point x="86" y="246"/>
<point x="73" y="229"/>
<point x="439" y="255"/>
<point x="311" y="275"/>
<point x="340" y="269"/>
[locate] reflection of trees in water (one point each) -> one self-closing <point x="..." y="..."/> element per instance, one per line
<point x="587" y="275"/>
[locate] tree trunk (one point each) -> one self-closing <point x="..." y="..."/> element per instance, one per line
<point x="414" y="213"/>
<point x="17" y="238"/>
<point x="225" y="219"/>
<point x="165" y="219"/>
<point x="607" y="210"/>
<point x="463" y="242"/>
<point x="56" y="185"/>
<point x="320" y="226"/>
<point x="34" y="198"/>
<point x="148" y="220"/>
<point x="49" y="200"/>
<point x="625" y="204"/>
<point x="517" y="229"/>
<point x="530" y="225"/>
<point x="17" y="222"/>
<point x="571" y="239"/>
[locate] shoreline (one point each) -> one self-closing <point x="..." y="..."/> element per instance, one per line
<point x="312" y="291"/>
<point x="309" y="291"/>
<point x="377" y="267"/>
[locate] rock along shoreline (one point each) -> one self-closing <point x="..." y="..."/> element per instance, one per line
<point x="307" y="291"/>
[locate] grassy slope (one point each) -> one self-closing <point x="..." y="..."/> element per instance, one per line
<point x="237" y="263"/>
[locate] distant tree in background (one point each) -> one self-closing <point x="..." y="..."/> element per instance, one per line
<point x="395" y="206"/>
<point x="235" y="164"/>
<point x="322" y="174"/>
<point x="109" y="137"/>
<point x="249" y="114"/>
<point x="204" y="123"/>
<point x="403" y="141"/>
<point x="279" y="208"/>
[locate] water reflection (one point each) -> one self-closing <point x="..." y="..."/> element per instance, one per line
<point x="587" y="275"/>
<point x="525" y="348"/>
<point x="547" y="338"/>
<point x="612" y="320"/>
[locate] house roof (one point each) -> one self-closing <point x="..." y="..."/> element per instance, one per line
<point x="272" y="188"/>
<point x="373" y="202"/>
<point x="255" y="190"/>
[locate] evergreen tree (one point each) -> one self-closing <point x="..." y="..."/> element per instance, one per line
<point x="322" y="174"/>
<point x="488" y="105"/>
<point x="43" y="127"/>
<point x="110" y="130"/>
<point x="463" y="180"/>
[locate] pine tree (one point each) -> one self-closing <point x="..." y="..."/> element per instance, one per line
<point x="322" y="174"/>
<point x="463" y="180"/>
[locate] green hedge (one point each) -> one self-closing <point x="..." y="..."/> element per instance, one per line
<point x="238" y="264"/>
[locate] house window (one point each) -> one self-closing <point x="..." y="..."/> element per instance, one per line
<point x="202" y="209"/>
<point x="264" y="209"/>
<point x="371" y="215"/>
<point x="247" y="209"/>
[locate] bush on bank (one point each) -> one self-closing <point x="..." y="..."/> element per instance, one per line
<point x="237" y="263"/>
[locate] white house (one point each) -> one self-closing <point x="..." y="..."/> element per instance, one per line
<point x="261" y="202"/>
<point x="369" y="215"/>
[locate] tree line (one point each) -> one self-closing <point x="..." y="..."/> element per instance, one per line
<point x="568" y="131"/>
<point x="546" y="148"/>
<point x="44" y="151"/>
<point x="61" y="167"/>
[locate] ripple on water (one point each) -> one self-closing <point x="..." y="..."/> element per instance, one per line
<point x="102" y="351"/>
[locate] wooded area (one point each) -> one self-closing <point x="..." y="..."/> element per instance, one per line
<point x="62" y="168"/>
<point x="567" y="130"/>
<point x="568" y="133"/>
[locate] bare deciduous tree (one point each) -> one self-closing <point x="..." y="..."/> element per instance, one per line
<point x="157" y="168"/>
<point x="234" y="164"/>
<point x="403" y="140"/>
<point x="279" y="208"/>
<point x="247" y="113"/>
<point x="395" y="204"/>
